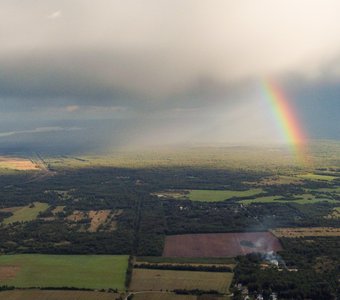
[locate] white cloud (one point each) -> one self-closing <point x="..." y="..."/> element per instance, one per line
<point x="54" y="15"/>
<point x="38" y="130"/>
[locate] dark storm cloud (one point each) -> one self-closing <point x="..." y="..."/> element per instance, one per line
<point x="165" y="65"/>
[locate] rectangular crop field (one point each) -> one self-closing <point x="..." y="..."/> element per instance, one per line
<point x="56" y="295"/>
<point x="303" y="232"/>
<point x="156" y="280"/>
<point x="219" y="244"/>
<point x="81" y="271"/>
<point x="163" y="296"/>
<point x="217" y="195"/>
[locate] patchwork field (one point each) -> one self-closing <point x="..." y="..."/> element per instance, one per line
<point x="304" y="232"/>
<point x="219" y="244"/>
<point x="208" y="195"/>
<point x="156" y="280"/>
<point x="56" y="295"/>
<point x="81" y="271"/>
<point x="24" y="213"/>
<point x="95" y="219"/>
<point x="17" y="163"/>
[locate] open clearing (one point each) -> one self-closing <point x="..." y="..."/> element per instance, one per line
<point x="56" y="295"/>
<point x="95" y="219"/>
<point x="215" y="196"/>
<point x="300" y="199"/>
<point x="17" y="163"/>
<point x="25" y="213"/>
<point x="219" y="244"/>
<point x="156" y="280"/>
<point x="208" y="195"/>
<point x="302" y="232"/>
<point x="335" y="214"/>
<point x="311" y="176"/>
<point x="81" y="271"/>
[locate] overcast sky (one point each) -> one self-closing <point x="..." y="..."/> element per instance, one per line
<point x="169" y="71"/>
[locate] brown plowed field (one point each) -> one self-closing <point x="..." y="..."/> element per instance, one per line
<point x="219" y="244"/>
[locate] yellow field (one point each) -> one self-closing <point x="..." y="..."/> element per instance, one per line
<point x="303" y="232"/>
<point x="156" y="280"/>
<point x="16" y="163"/>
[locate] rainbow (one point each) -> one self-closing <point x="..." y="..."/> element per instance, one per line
<point x="286" y="120"/>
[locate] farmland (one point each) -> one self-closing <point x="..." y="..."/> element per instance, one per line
<point x="219" y="244"/>
<point x="80" y="271"/>
<point x="32" y="294"/>
<point x="98" y="207"/>
<point x="162" y="296"/>
<point x="304" y="232"/>
<point x="147" y="280"/>
<point x="17" y="163"/>
<point x="25" y="213"/>
<point x="215" y="195"/>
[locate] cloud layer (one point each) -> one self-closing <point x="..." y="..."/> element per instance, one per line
<point x="179" y="61"/>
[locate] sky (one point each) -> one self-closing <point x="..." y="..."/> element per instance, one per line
<point x="91" y="75"/>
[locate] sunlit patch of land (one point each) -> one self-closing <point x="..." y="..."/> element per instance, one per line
<point x="305" y="232"/>
<point x="335" y="213"/>
<point x="311" y="176"/>
<point x="208" y="195"/>
<point x="24" y="213"/>
<point x="17" y="163"/>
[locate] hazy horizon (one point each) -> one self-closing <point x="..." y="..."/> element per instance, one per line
<point x="83" y="77"/>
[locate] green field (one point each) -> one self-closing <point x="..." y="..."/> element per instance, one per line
<point x="216" y="195"/>
<point x="26" y="213"/>
<point x="56" y="295"/>
<point x="81" y="271"/>
<point x="301" y="199"/>
<point x="311" y="176"/>
<point x="156" y="280"/>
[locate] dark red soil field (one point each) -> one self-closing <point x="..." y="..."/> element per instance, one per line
<point x="219" y="244"/>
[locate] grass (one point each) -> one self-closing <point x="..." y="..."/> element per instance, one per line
<point x="317" y="177"/>
<point x="216" y="195"/>
<point x="26" y="213"/>
<point x="156" y="280"/>
<point x="300" y="199"/>
<point x="306" y="231"/>
<point x="56" y="295"/>
<point x="81" y="271"/>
